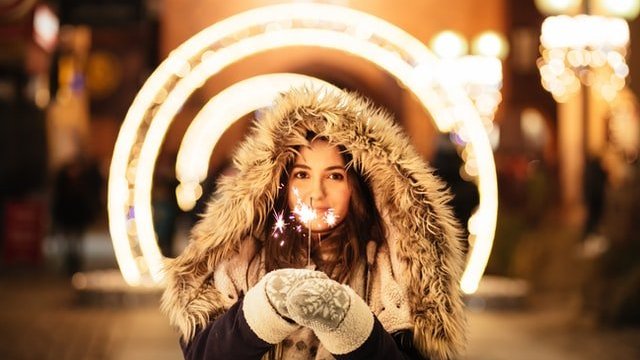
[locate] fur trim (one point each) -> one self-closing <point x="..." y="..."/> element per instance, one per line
<point x="427" y="242"/>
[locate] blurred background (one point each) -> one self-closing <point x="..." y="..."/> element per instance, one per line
<point x="559" y="103"/>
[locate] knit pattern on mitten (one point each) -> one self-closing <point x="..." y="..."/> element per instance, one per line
<point x="264" y="304"/>
<point x="341" y="320"/>
<point x="320" y="304"/>
<point x="280" y="283"/>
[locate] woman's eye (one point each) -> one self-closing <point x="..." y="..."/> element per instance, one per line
<point x="300" y="175"/>
<point x="336" y="176"/>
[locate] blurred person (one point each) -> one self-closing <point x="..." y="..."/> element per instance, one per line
<point x="538" y="192"/>
<point x="76" y="205"/>
<point x="595" y="180"/>
<point x="165" y="204"/>
<point x="614" y="290"/>
<point x="332" y="240"/>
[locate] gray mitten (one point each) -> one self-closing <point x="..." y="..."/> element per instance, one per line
<point x="265" y="307"/>
<point x="338" y="316"/>
<point x="279" y="283"/>
<point x="320" y="304"/>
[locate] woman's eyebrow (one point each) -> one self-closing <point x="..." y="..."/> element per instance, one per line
<point x="303" y="166"/>
<point x="335" y="167"/>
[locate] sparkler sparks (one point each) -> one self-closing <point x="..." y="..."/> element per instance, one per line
<point x="330" y="217"/>
<point x="306" y="213"/>
<point x="279" y="225"/>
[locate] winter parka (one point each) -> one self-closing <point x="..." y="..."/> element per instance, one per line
<point x="415" y="273"/>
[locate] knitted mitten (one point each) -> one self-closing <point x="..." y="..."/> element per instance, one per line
<point x="279" y="283"/>
<point x="265" y="307"/>
<point x="338" y="316"/>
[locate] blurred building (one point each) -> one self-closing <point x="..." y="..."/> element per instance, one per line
<point x="70" y="69"/>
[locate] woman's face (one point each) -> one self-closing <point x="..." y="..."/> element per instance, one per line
<point x="319" y="191"/>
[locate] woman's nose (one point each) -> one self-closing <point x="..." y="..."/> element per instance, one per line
<point x="317" y="189"/>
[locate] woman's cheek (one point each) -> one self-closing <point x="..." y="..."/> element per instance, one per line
<point x="345" y="198"/>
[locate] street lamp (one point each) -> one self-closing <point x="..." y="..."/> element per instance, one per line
<point x="585" y="50"/>
<point x="479" y="72"/>
<point x="628" y="9"/>
<point x="584" y="43"/>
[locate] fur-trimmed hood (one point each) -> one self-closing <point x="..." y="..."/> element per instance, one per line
<point x="412" y="200"/>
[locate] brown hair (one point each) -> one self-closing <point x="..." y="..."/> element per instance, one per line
<point x="362" y="224"/>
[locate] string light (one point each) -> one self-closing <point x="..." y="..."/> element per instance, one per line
<point x="583" y="49"/>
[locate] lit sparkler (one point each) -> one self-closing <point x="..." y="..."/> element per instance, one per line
<point x="330" y="217"/>
<point x="279" y="225"/>
<point x="306" y="214"/>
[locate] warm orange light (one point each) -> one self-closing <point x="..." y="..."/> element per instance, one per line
<point x="273" y="27"/>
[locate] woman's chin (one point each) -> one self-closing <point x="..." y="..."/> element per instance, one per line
<point x="321" y="229"/>
<point x="324" y="228"/>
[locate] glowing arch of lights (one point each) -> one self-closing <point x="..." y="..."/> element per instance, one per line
<point x="260" y="30"/>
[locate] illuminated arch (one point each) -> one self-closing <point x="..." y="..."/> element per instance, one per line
<point x="260" y="30"/>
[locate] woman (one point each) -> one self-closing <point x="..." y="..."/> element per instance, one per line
<point x="332" y="240"/>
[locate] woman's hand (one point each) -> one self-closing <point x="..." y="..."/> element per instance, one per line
<point x="336" y="314"/>
<point x="293" y="297"/>
<point x="265" y="304"/>
<point x="318" y="303"/>
<point x="279" y="284"/>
